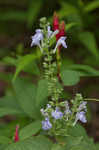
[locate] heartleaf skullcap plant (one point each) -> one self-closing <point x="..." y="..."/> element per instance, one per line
<point x="59" y="115"/>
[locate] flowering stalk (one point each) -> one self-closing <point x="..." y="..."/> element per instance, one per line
<point x="58" y="116"/>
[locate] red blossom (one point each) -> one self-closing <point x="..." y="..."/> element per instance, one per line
<point x="16" y="137"/>
<point x="62" y="29"/>
<point x="57" y="26"/>
<point x="55" y="22"/>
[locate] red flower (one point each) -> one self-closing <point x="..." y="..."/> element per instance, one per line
<point x="16" y="137"/>
<point x="62" y="29"/>
<point x="57" y="26"/>
<point x="55" y="22"/>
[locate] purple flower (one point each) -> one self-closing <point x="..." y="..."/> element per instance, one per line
<point x="46" y="125"/>
<point x="82" y="106"/>
<point x="48" y="106"/>
<point x="37" y="38"/>
<point x="57" y="114"/>
<point x="80" y="116"/>
<point x="62" y="42"/>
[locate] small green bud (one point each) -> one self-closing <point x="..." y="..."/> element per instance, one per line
<point x="43" y="20"/>
<point x="79" y="97"/>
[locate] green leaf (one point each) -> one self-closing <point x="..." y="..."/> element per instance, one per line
<point x="10" y="61"/>
<point x="2" y="146"/>
<point x="97" y="146"/>
<point x="88" y="40"/>
<point x="78" y="131"/>
<point x="70" y="77"/>
<point x="24" y="62"/>
<point x="4" y="140"/>
<point x="78" y="143"/>
<point x="91" y="6"/>
<point x="9" y="111"/>
<point x="30" y="130"/>
<point x="84" y="70"/>
<point x="34" y="143"/>
<point x="9" y="102"/>
<point x="30" y="68"/>
<point x="42" y="93"/>
<point x="58" y="147"/>
<point x="25" y="95"/>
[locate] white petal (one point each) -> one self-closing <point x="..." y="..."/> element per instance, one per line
<point x="64" y="44"/>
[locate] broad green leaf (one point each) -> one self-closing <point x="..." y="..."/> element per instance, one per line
<point x="34" y="143"/>
<point x="78" y="143"/>
<point x="88" y="40"/>
<point x="91" y="6"/>
<point x="30" y="68"/>
<point x="24" y="62"/>
<point x="10" y="61"/>
<point x="84" y="70"/>
<point x="30" y="130"/>
<point x="9" y="102"/>
<point x="70" y="77"/>
<point x="9" y="111"/>
<point x="58" y="147"/>
<point x="78" y="131"/>
<point x="2" y="146"/>
<point x="4" y="140"/>
<point x="42" y="93"/>
<point x="97" y="146"/>
<point x="25" y="95"/>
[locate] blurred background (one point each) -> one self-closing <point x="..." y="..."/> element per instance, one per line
<point x="18" y="21"/>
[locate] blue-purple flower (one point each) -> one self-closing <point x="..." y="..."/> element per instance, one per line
<point x="57" y="114"/>
<point x="48" y="106"/>
<point x="80" y="116"/>
<point x="82" y="106"/>
<point x="37" y="38"/>
<point x="46" y="124"/>
<point x="60" y="42"/>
